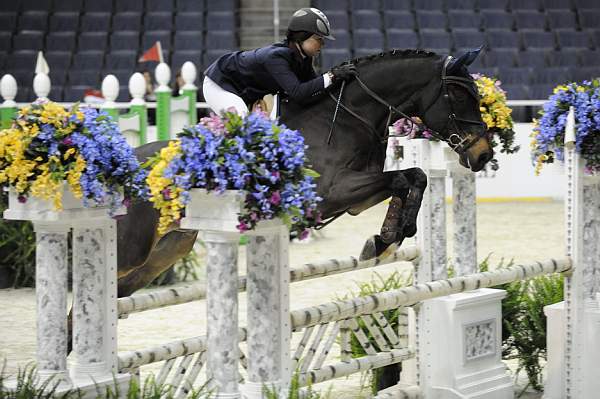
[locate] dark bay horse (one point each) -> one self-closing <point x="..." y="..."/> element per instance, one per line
<point x="439" y="90"/>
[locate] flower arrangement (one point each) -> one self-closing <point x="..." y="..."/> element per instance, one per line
<point x="494" y="112"/>
<point x="252" y="154"/>
<point x="48" y="145"/>
<point x="549" y="131"/>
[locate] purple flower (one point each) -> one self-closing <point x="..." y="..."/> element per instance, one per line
<point x="304" y="235"/>
<point x="22" y="199"/>
<point x="253" y="154"/>
<point x="275" y="198"/>
<point x="242" y="227"/>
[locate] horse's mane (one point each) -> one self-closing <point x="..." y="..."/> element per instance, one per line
<point x="400" y="53"/>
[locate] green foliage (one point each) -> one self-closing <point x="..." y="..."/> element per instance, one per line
<point x="28" y="386"/>
<point x="296" y="391"/>
<point x="17" y="251"/>
<point x="377" y="284"/>
<point x="524" y="321"/>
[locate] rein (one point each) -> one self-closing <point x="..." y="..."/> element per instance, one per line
<point x="459" y="143"/>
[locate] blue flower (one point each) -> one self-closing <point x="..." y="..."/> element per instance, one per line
<point x="258" y="156"/>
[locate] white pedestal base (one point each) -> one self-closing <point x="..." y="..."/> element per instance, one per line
<point x="555" y="341"/>
<point x="461" y="347"/>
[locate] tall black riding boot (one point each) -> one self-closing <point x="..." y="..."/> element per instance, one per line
<point x="391" y="229"/>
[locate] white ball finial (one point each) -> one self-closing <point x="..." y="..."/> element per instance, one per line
<point x="110" y="89"/>
<point x="137" y="88"/>
<point x="188" y="73"/>
<point x="41" y="85"/>
<point x="163" y="76"/>
<point x="8" y="90"/>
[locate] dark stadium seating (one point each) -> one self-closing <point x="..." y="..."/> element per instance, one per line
<point x="64" y="22"/>
<point x="86" y="39"/>
<point x="461" y="19"/>
<point x="366" y="19"/>
<point x="96" y="41"/>
<point x="402" y="38"/>
<point x="124" y="41"/>
<point x="500" y="58"/>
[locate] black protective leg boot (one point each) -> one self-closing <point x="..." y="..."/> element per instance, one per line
<point x="391" y="229"/>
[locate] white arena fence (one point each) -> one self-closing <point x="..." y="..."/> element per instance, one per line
<point x="450" y="332"/>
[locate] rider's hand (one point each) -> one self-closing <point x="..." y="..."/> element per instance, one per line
<point x="344" y="72"/>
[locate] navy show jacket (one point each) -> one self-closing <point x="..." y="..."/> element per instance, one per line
<point x="277" y="68"/>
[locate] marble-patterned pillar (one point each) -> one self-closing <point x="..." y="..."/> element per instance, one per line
<point x="465" y="222"/>
<point x="268" y="313"/>
<point x="222" y="312"/>
<point x="51" y="292"/>
<point x="437" y="188"/>
<point x="591" y="237"/>
<point x="94" y="288"/>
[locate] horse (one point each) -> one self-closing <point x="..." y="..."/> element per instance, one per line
<point x="345" y="129"/>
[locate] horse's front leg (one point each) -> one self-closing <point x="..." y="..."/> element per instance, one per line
<point x="417" y="180"/>
<point x="392" y="230"/>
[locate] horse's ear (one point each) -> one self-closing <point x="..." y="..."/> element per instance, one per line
<point x="464" y="60"/>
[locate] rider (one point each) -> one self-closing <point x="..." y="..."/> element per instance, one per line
<point x="241" y="78"/>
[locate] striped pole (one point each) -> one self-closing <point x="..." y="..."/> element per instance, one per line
<point x="190" y="90"/>
<point x="163" y="101"/>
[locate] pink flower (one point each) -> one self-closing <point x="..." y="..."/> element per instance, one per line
<point x="304" y="234"/>
<point x="275" y="198"/>
<point x="276" y="174"/>
<point x="253" y="216"/>
<point x="67" y="141"/>
<point x="242" y="227"/>
<point x="404" y="127"/>
<point x="166" y="194"/>
<point x="214" y="123"/>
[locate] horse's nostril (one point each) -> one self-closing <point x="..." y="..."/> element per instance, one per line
<point x="484" y="158"/>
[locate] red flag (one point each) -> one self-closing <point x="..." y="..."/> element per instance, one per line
<point x="93" y="96"/>
<point x="154" y="53"/>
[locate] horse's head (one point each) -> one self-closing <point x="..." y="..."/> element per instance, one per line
<point x="451" y="111"/>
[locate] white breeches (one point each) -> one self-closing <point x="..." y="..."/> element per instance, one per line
<point x="219" y="99"/>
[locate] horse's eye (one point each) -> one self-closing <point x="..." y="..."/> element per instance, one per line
<point x="460" y="96"/>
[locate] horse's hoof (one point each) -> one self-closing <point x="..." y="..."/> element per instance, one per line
<point x="373" y="247"/>
<point x="409" y="230"/>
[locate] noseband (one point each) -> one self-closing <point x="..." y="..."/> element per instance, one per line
<point x="458" y="140"/>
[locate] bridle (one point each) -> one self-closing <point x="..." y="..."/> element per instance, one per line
<point x="458" y="140"/>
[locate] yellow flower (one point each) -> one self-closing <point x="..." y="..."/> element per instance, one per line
<point x="68" y="153"/>
<point x="169" y="206"/>
<point x="560" y="88"/>
<point x="74" y="175"/>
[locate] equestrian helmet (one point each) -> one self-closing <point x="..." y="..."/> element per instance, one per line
<point x="311" y="20"/>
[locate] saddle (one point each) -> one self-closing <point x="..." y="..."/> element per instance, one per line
<point x="265" y="104"/>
